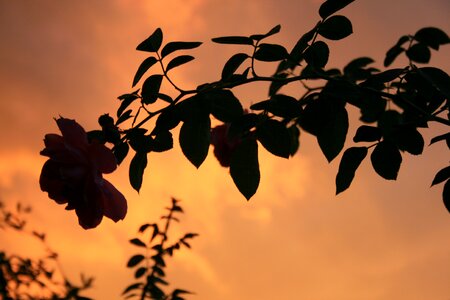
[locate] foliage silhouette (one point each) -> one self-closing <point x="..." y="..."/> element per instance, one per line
<point x="394" y="104"/>
<point x="34" y="278"/>
<point x="43" y="278"/>
<point x="150" y="267"/>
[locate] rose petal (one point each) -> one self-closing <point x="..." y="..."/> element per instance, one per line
<point x="51" y="182"/>
<point x="115" y="204"/>
<point x="72" y="132"/>
<point x="89" y="207"/>
<point x="102" y="157"/>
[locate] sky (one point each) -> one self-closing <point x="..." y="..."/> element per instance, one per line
<point x="294" y="239"/>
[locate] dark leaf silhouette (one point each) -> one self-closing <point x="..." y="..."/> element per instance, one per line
<point x="225" y="106"/>
<point x="329" y="7"/>
<point x="152" y="43"/>
<point x="138" y="242"/>
<point x="294" y="132"/>
<point x="120" y="151"/>
<point x="386" y="160"/>
<point x="137" y="167"/>
<point x="437" y="78"/>
<point x="332" y="129"/>
<point x="145" y="65"/>
<point x="175" y="46"/>
<point x="317" y="54"/>
<point x="446" y="195"/>
<point x="271" y="52"/>
<point x="351" y="159"/>
<point x="274" y="30"/>
<point x="150" y="89"/>
<point x="275" y="137"/>
<point x="442" y="137"/>
<point x="233" y="40"/>
<point x="280" y="105"/>
<point x="441" y="176"/>
<point x="178" y="61"/>
<point x="135" y="260"/>
<point x="410" y="140"/>
<point x="392" y="54"/>
<point x="244" y="167"/>
<point x="195" y="139"/>
<point x="419" y="53"/>
<point x="233" y="64"/>
<point x="432" y="37"/>
<point x="366" y="133"/>
<point x="336" y="28"/>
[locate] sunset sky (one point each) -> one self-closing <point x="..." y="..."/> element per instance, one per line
<point x="294" y="239"/>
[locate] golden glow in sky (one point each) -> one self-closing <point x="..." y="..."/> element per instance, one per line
<point x="295" y="239"/>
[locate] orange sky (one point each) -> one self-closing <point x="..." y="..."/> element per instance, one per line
<point x="294" y="239"/>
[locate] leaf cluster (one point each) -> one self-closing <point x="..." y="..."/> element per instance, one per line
<point x="395" y="104"/>
<point x="149" y="267"/>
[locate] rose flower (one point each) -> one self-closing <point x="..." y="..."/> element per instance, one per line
<point x="73" y="175"/>
<point x="224" y="146"/>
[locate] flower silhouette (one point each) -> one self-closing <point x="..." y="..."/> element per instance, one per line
<point x="73" y="175"/>
<point x="224" y="146"/>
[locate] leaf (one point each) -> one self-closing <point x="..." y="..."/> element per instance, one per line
<point x="445" y="136"/>
<point x="175" y="46"/>
<point x="225" y="106"/>
<point x="383" y="77"/>
<point x="165" y="98"/>
<point x="138" y="242"/>
<point x="351" y="159"/>
<point x="163" y="141"/>
<point x="150" y="89"/>
<point x="152" y="43"/>
<point x="386" y="160"/>
<point x="195" y="139"/>
<point x="317" y="54"/>
<point x="432" y="37"/>
<point x="270" y="52"/>
<point x="332" y="129"/>
<point x="140" y="272"/>
<point x="137" y="167"/>
<point x="145" y="65"/>
<point x="336" y="28"/>
<point x="419" y="53"/>
<point x="144" y="227"/>
<point x="367" y="134"/>
<point x="120" y="151"/>
<point x="410" y="140"/>
<point x="124" y="105"/>
<point x="167" y="120"/>
<point x="354" y="69"/>
<point x="274" y="30"/>
<point x="296" y="54"/>
<point x="244" y="167"/>
<point x="280" y="105"/>
<point x="294" y="132"/>
<point x="389" y="123"/>
<point x="275" y="137"/>
<point x="233" y="64"/>
<point x="131" y="287"/>
<point x="392" y="54"/>
<point x="123" y="117"/>
<point x="178" y="61"/>
<point x="446" y="195"/>
<point x="233" y="40"/>
<point x="329" y="7"/>
<point x="242" y="125"/>
<point x="135" y="260"/>
<point x="441" y="176"/>
<point x="438" y="78"/>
